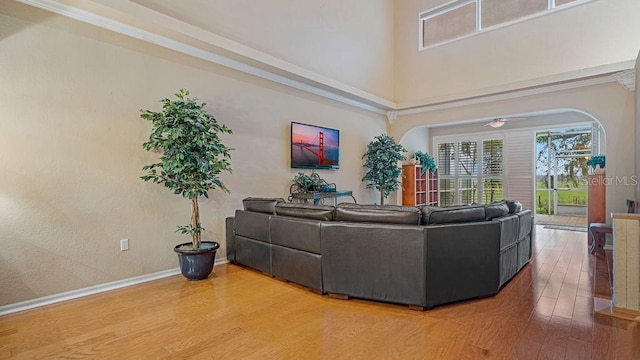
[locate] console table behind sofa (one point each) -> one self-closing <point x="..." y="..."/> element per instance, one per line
<point x="316" y="196"/>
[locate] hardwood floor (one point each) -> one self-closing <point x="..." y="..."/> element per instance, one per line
<point x="545" y="312"/>
<point x="567" y="220"/>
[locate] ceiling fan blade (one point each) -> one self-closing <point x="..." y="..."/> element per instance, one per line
<point x="512" y="118"/>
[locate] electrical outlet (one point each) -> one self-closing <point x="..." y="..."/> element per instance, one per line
<point x="124" y="244"/>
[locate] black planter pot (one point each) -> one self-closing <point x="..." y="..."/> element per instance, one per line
<point x="197" y="264"/>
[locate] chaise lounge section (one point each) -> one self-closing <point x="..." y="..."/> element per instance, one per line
<point x="405" y="255"/>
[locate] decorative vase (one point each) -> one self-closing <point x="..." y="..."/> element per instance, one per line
<point x="412" y="161"/>
<point x="197" y="264"/>
<point x="598" y="170"/>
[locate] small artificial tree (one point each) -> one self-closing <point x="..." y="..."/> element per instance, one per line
<point x="193" y="155"/>
<point x="382" y="157"/>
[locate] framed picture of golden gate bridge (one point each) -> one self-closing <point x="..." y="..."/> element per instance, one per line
<point x="314" y="147"/>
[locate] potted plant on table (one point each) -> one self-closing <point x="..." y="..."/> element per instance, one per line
<point x="193" y="157"/>
<point x="382" y="157"/>
<point x="302" y="183"/>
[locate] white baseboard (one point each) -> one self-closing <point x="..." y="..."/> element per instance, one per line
<point x="91" y="290"/>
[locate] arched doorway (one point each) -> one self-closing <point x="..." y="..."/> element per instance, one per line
<point x="513" y="152"/>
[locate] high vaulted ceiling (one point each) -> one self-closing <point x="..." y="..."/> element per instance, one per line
<point x="304" y="45"/>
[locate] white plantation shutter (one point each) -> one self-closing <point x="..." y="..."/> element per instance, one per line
<point x="487" y="169"/>
<point x="446" y="173"/>
<point x="467" y="172"/>
<point x="492" y="158"/>
<point x="467" y="158"/>
<point x="519" y="167"/>
<point x="492" y="170"/>
<point x="446" y="159"/>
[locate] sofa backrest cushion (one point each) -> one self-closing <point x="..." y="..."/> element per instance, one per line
<point x="261" y="205"/>
<point x="306" y="211"/>
<point x="299" y="234"/>
<point x="252" y="225"/>
<point x="496" y="210"/>
<point x="454" y="214"/>
<point x="515" y="206"/>
<point x="385" y="214"/>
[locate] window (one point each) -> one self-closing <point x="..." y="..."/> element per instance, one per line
<point x="470" y="170"/>
<point x="446" y="173"/>
<point x="467" y="172"/>
<point x="461" y="18"/>
<point x="455" y="23"/>
<point x="495" y="12"/>
<point x="492" y="171"/>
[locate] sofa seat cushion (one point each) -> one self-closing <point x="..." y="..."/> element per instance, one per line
<point x="297" y="266"/>
<point x="496" y="209"/>
<point x="261" y="205"/>
<point x="385" y="214"/>
<point x="306" y="211"/>
<point x="432" y="215"/>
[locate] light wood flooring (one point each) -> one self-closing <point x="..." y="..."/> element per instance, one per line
<point x="545" y="312"/>
<point x="566" y="220"/>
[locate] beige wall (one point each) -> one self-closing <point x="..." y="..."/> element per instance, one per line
<point x="71" y="156"/>
<point x="348" y="40"/>
<point x="416" y="139"/>
<point x="637" y="142"/>
<point x="609" y="103"/>
<point x="594" y="34"/>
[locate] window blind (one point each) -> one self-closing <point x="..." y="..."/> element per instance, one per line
<point x="449" y="25"/>
<point x="496" y="12"/>
<point x="446" y="159"/>
<point x="467" y="158"/>
<point x="492" y="160"/>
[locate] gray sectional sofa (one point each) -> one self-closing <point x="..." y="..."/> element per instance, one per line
<point x="406" y="255"/>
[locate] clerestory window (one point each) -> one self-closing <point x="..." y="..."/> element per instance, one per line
<point x="461" y="18"/>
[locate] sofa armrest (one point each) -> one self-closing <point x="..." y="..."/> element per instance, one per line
<point x="229" y="237"/>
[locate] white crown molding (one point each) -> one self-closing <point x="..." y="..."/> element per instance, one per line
<point x="248" y="60"/>
<point x="134" y="20"/>
<point x="433" y="105"/>
<point x="91" y="290"/>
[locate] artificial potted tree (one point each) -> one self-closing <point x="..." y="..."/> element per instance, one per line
<point x="382" y="158"/>
<point x="192" y="159"/>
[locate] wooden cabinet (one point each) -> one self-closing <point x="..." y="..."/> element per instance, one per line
<point x="418" y="188"/>
<point x="597" y="199"/>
